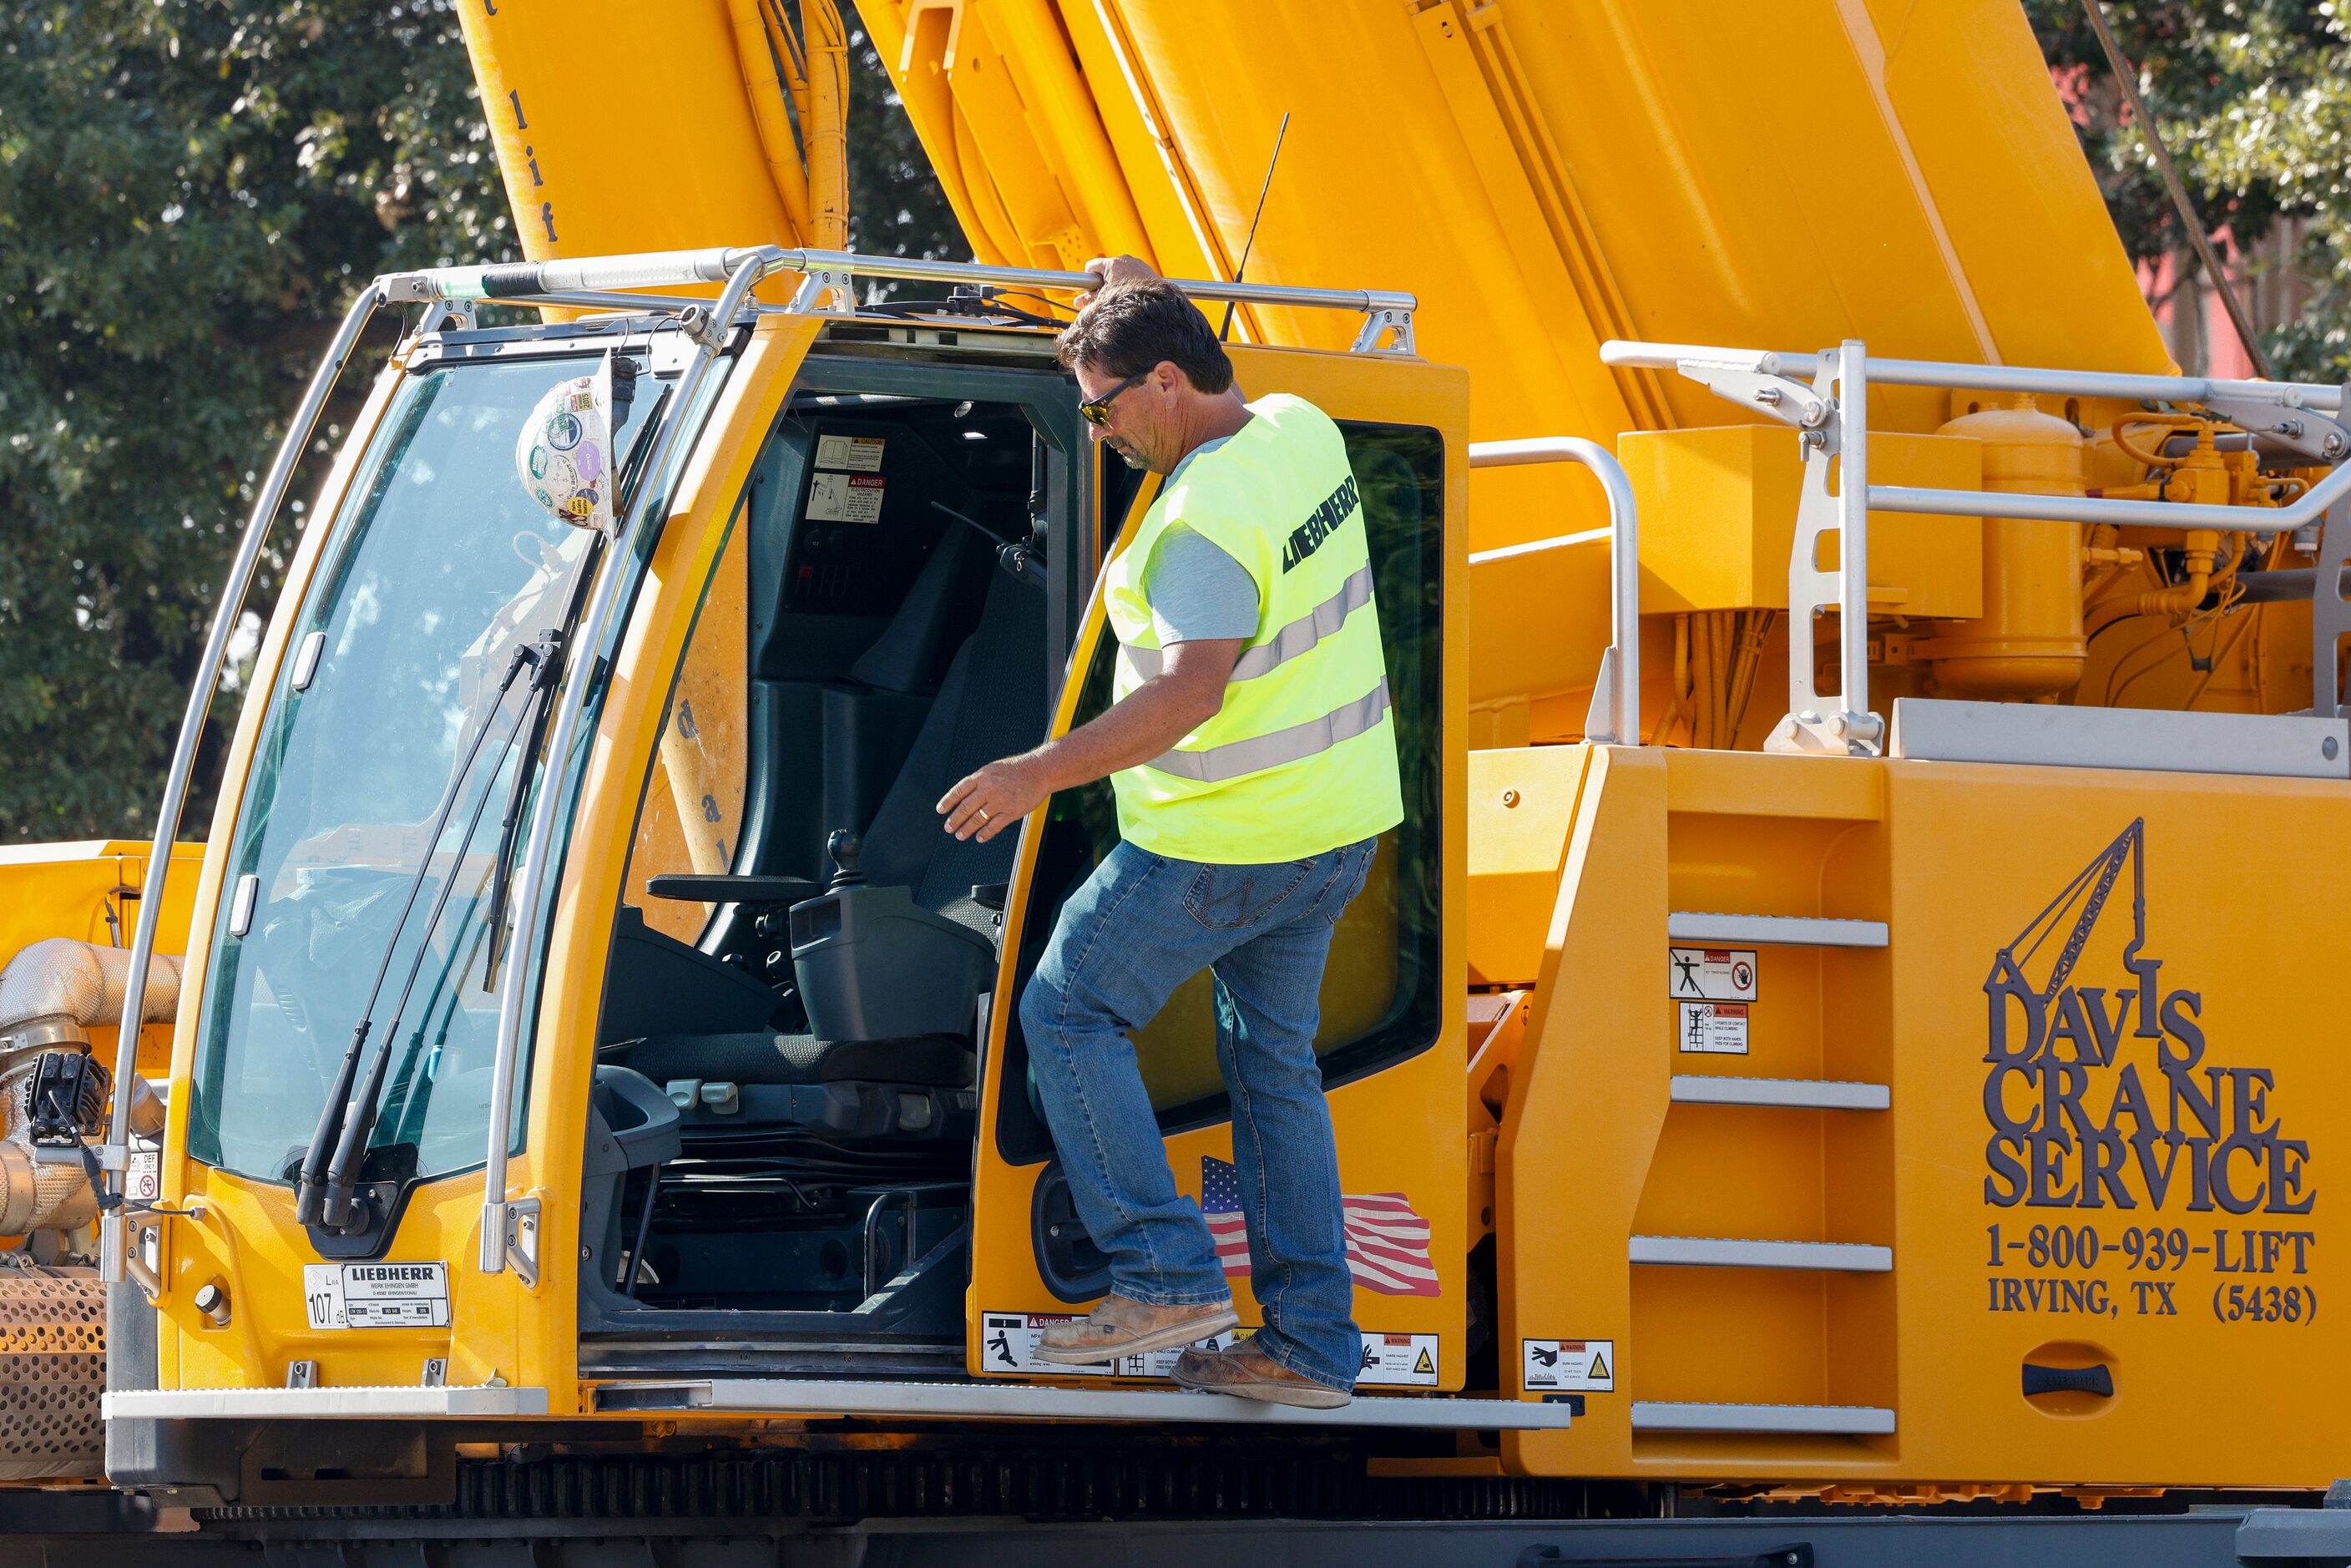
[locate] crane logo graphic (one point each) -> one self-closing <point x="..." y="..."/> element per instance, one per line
<point x="2105" y="1095"/>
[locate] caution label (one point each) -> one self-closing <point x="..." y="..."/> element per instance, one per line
<point x="1711" y="973"/>
<point x="376" y="1295"/>
<point x="1714" y="1029"/>
<point x="1574" y="1365"/>
<point x="845" y="497"/>
<point x="1399" y="1360"/>
<point x="859" y="454"/>
<point x="1007" y="1344"/>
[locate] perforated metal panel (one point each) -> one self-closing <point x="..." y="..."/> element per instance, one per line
<point x="52" y="1370"/>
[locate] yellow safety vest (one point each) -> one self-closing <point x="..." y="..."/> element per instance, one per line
<point x="1302" y="758"/>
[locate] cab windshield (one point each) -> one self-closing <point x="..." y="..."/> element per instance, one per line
<point x="439" y="568"/>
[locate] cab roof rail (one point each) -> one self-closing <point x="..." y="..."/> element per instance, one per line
<point x="829" y="285"/>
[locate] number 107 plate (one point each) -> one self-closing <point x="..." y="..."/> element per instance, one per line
<point x="376" y="1295"/>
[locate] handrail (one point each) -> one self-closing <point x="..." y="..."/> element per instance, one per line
<point x="1837" y="428"/>
<point x="2303" y="509"/>
<point x="1614" y="718"/>
<point x="114" y="1158"/>
<point x="533" y="281"/>
<point x="2324" y="397"/>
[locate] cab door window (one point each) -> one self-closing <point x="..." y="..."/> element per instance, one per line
<point x="1381" y="996"/>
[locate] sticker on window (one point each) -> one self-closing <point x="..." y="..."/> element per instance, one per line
<point x="862" y="454"/>
<point x="376" y="1295"/>
<point x="844" y="498"/>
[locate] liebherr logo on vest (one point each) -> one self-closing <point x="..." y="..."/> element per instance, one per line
<point x="2110" y="1095"/>
<point x="1307" y="537"/>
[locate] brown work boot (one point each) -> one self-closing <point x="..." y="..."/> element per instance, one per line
<point x="1249" y="1373"/>
<point x="1121" y="1327"/>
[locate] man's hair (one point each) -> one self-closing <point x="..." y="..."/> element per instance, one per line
<point x="1130" y="327"/>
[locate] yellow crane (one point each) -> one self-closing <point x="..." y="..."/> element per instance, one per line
<point x="1807" y="590"/>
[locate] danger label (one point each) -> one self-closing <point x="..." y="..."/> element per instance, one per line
<point x="1008" y="1343"/>
<point x="845" y="497"/>
<point x="1714" y="1029"/>
<point x="1711" y="973"/>
<point x="1408" y="1360"/>
<point x="862" y="454"/>
<point x="1575" y="1366"/>
<point x="376" y="1295"/>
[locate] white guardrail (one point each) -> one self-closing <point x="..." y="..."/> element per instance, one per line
<point x="1830" y="412"/>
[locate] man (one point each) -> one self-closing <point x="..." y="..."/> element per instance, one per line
<point x="1253" y="758"/>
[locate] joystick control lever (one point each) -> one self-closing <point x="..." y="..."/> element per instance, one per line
<point x="845" y="848"/>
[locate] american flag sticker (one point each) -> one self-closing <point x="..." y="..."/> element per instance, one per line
<point x="1388" y="1242"/>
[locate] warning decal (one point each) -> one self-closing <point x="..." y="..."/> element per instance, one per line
<point x="860" y="453"/>
<point x="1711" y="973"/>
<point x="1407" y="1360"/>
<point x="1008" y="1343"/>
<point x="845" y="497"/>
<point x="1579" y="1366"/>
<point x="1717" y="1029"/>
<point x="143" y="1183"/>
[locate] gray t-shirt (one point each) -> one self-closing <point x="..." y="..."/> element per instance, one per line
<point x="1196" y="591"/>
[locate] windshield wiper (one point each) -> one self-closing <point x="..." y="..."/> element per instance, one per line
<point x="329" y="1166"/>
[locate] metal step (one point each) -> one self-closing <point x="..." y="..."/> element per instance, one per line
<point x="1026" y="1401"/>
<point x="1723" y="1253"/>
<point x="1797" y="1093"/>
<point x="1773" y="931"/>
<point x="1827" y="1420"/>
<point x="399" y="1401"/>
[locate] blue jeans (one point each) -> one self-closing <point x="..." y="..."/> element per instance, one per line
<point x="1140" y="926"/>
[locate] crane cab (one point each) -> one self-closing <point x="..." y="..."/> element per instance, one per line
<point x="736" y="1113"/>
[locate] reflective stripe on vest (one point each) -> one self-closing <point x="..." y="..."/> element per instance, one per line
<point x="1295" y="744"/>
<point x="1300" y="756"/>
<point x="1299" y="637"/>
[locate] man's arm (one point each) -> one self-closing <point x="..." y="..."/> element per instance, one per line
<point x="1185" y="693"/>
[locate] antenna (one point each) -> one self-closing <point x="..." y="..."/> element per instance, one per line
<point x="1226" y="331"/>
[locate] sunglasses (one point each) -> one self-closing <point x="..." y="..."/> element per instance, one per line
<point x="1097" y="410"/>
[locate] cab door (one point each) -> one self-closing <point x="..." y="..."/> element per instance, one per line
<point x="1391" y="1042"/>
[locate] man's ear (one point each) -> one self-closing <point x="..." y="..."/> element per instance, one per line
<point x="1167" y="378"/>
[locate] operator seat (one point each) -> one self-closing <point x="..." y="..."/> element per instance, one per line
<point x="991" y="703"/>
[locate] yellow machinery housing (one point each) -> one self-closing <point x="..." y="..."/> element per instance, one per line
<point x="1827" y="1026"/>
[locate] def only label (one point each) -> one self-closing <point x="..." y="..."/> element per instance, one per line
<point x="2131" y="1168"/>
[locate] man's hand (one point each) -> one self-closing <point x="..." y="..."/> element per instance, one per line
<point x="1114" y="269"/>
<point x="1185" y="693"/>
<point x="995" y="798"/>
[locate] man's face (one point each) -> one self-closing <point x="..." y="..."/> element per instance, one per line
<point x="1139" y="425"/>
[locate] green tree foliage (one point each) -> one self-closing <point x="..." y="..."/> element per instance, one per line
<point x="895" y="206"/>
<point x="189" y="190"/>
<point x="2253" y="98"/>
